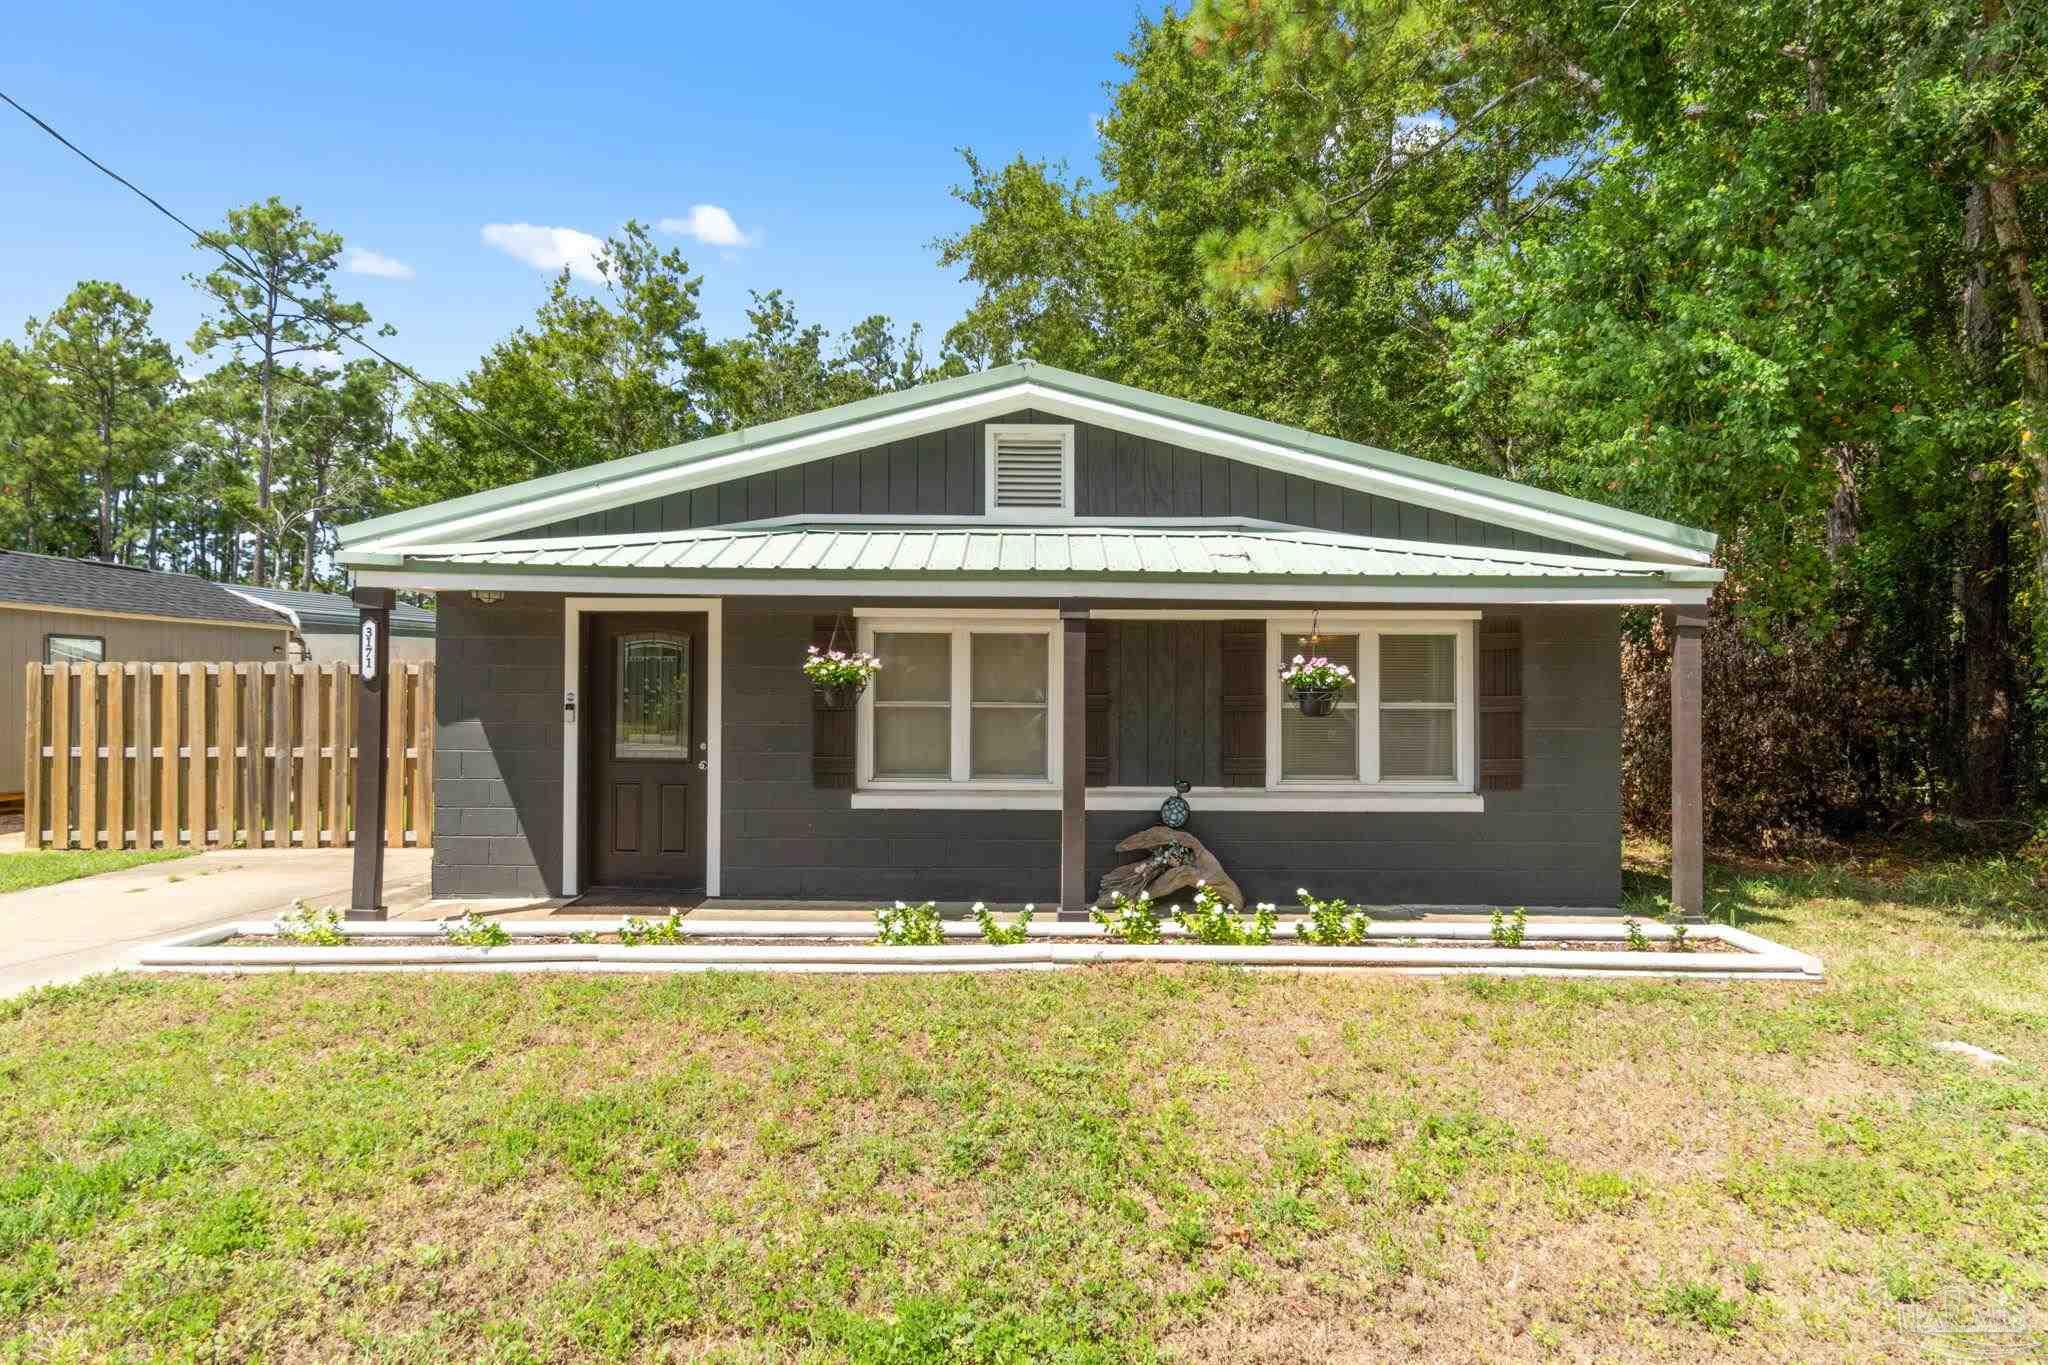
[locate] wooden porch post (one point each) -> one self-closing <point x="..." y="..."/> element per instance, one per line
<point x="1074" y="761"/>
<point x="373" y="758"/>
<point x="1688" y="813"/>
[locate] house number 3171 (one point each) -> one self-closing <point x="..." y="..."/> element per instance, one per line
<point x="369" y="651"/>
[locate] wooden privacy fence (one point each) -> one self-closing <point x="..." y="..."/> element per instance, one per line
<point x="199" y="755"/>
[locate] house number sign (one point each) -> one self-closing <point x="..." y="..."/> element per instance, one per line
<point x="369" y="651"/>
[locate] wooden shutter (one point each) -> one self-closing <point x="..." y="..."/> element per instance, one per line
<point x="1244" y="703"/>
<point x="831" y="731"/>
<point x="1500" y="705"/>
<point x="1102" y="669"/>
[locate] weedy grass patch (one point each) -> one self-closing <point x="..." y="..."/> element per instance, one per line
<point x="1104" y="1165"/>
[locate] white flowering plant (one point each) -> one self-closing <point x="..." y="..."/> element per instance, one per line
<point x="311" y="926"/>
<point x="635" y="932"/>
<point x="1129" y="919"/>
<point x="909" y="926"/>
<point x="1331" y="923"/>
<point x="1215" y="921"/>
<point x="474" y="931"/>
<point x="1317" y="674"/>
<point x="995" y="931"/>
<point x="837" y="668"/>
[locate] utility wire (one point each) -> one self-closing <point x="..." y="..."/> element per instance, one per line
<point x="243" y="267"/>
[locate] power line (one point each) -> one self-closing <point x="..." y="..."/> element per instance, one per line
<point x="204" y="240"/>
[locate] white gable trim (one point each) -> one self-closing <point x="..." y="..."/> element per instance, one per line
<point x="802" y="449"/>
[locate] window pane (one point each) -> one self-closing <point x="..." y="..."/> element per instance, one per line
<point x="1009" y="741"/>
<point x="1418" y="668"/>
<point x="914" y="667"/>
<point x="913" y="741"/>
<point x="1318" y="746"/>
<point x="1418" y="743"/>
<point x="73" y="649"/>
<point x="654" y="697"/>
<point x="1010" y="668"/>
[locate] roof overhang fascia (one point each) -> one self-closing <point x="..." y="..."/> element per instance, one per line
<point x="479" y="519"/>
<point x="1679" y="588"/>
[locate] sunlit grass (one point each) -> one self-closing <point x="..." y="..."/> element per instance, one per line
<point x="27" y="868"/>
<point x="1101" y="1165"/>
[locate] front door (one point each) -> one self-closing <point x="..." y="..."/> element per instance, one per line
<point x="648" y="771"/>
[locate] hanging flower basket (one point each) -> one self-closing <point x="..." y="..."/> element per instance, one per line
<point x="839" y="698"/>
<point x="1316" y="683"/>
<point x="838" y="678"/>
<point x="1313" y="703"/>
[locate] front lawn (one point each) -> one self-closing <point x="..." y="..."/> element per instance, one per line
<point x="42" y="867"/>
<point x="1108" y="1164"/>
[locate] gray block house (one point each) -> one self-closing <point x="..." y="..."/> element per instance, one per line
<point x="1083" y="594"/>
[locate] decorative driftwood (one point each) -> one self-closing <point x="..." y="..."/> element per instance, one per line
<point x="1176" y="862"/>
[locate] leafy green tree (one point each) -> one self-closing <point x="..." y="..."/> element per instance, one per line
<point x="44" y="506"/>
<point x="117" y="379"/>
<point x="595" y="376"/>
<point x="340" y="429"/>
<point x="782" y="368"/>
<point x="275" y="302"/>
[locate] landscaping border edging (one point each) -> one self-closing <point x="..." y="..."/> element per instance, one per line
<point x="206" y="951"/>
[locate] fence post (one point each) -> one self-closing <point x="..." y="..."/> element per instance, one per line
<point x="32" y="760"/>
<point x="60" y="756"/>
<point x="116" y="687"/>
<point x="145" y="759"/>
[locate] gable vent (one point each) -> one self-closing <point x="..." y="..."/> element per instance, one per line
<point x="1030" y="471"/>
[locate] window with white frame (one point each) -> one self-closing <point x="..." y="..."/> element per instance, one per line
<point x="1407" y="724"/>
<point x="961" y="701"/>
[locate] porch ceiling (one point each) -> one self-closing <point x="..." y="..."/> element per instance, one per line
<point x="1192" y="552"/>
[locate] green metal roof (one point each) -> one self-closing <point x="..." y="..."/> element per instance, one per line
<point x="856" y="549"/>
<point x="420" y="522"/>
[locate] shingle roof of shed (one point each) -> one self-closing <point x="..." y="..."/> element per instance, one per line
<point x="91" y="585"/>
<point x="333" y="611"/>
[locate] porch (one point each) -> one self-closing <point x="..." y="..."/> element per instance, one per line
<point x="797" y="812"/>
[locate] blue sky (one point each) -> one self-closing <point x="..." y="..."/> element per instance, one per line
<point x="825" y="134"/>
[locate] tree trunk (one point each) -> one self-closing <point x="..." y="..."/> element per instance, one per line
<point x="1985" y="787"/>
<point x="2002" y="198"/>
<point x="265" y="379"/>
<point x="106" y="480"/>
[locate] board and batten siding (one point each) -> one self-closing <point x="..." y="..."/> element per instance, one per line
<point x="128" y="639"/>
<point x="1116" y="474"/>
<point x="1556" y="841"/>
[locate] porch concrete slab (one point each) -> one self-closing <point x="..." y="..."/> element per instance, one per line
<point x="54" y="934"/>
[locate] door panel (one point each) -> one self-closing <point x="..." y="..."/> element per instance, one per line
<point x="647" y="701"/>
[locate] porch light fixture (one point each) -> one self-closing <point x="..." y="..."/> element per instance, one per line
<point x="486" y="596"/>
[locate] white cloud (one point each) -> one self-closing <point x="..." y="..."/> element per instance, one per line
<point x="711" y="225"/>
<point x="360" y="260"/>
<point x="547" y="248"/>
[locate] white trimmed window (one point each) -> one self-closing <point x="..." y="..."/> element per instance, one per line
<point x="961" y="701"/>
<point x="1030" y="474"/>
<point x="1408" y="724"/>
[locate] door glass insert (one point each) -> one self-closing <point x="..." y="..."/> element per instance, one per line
<point x="654" y="696"/>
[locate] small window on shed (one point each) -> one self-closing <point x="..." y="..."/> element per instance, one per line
<point x="1030" y="472"/>
<point x="74" y="649"/>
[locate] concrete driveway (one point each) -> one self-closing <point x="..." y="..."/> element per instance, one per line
<point x="59" y="933"/>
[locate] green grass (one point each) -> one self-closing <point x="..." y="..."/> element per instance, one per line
<point x="1094" y="1166"/>
<point x="19" y="871"/>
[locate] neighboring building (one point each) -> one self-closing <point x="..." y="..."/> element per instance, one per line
<point x="55" y="610"/>
<point x="325" y="623"/>
<point x="1081" y="593"/>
